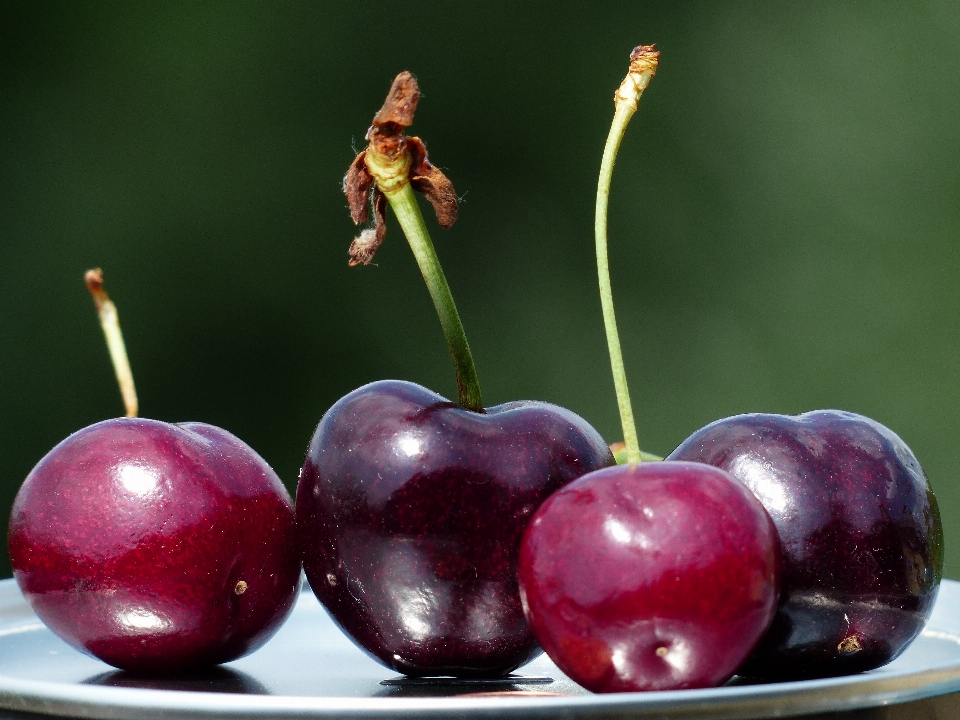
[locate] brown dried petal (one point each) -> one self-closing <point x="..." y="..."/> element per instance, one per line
<point x="380" y="215"/>
<point x="438" y="189"/>
<point x="419" y="160"/>
<point x="430" y="181"/>
<point x="365" y="245"/>
<point x="401" y="102"/>
<point x="356" y="186"/>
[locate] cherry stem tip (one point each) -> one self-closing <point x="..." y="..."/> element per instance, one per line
<point x="110" y="322"/>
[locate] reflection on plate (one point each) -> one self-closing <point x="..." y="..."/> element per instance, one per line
<point x="311" y="670"/>
<point x="452" y="682"/>
<point x="219" y="679"/>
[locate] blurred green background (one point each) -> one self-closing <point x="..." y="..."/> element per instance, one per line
<point x="784" y="216"/>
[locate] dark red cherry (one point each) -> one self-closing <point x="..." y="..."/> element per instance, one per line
<point x="156" y="547"/>
<point x="658" y="576"/>
<point x="410" y="511"/>
<point x="860" y="531"/>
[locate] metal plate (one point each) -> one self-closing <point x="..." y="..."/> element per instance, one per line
<point x="311" y="670"/>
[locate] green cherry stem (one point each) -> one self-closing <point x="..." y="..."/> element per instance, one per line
<point x="643" y="66"/>
<point x="110" y="322"/>
<point x="405" y="207"/>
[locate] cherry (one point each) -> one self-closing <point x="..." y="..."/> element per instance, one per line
<point x="410" y="511"/>
<point x="410" y="508"/>
<point x="658" y="576"/>
<point x="861" y="537"/>
<point x="156" y="546"/>
<point x="648" y="575"/>
<point x="153" y="546"/>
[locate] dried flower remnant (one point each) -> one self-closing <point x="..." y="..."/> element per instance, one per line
<point x="390" y="161"/>
<point x="364" y="246"/>
<point x="644" y="61"/>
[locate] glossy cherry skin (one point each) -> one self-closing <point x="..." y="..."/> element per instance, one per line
<point x="410" y="511"/>
<point x="658" y="576"/>
<point x="156" y="547"/>
<point x="860" y="530"/>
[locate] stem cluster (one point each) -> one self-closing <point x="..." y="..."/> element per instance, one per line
<point x="388" y="171"/>
<point x="393" y="165"/>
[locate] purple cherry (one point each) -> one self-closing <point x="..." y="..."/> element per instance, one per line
<point x="410" y="511"/>
<point x="860" y="532"/>
<point x="156" y="547"/>
<point x="658" y="576"/>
